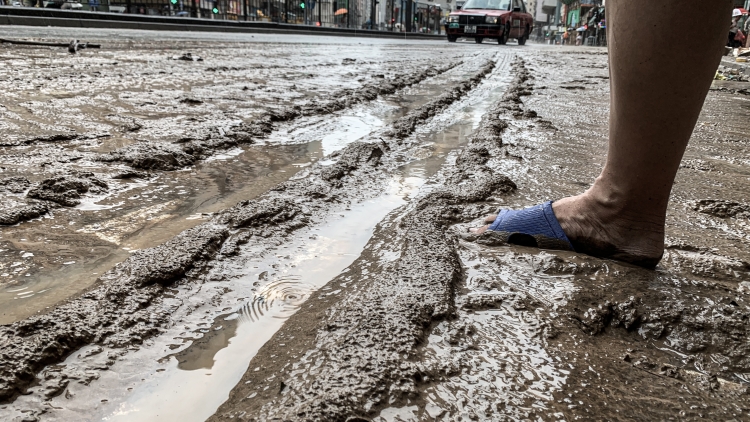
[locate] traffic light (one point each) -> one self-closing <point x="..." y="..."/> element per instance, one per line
<point x="302" y="5"/>
<point x="173" y="1"/>
<point x="215" y="10"/>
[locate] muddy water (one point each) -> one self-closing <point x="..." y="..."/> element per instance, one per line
<point x="58" y="255"/>
<point x="219" y="326"/>
<point x="98" y="234"/>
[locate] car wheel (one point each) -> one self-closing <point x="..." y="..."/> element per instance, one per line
<point x="504" y="38"/>
<point x="522" y="40"/>
<point x="452" y="38"/>
<point x="478" y="40"/>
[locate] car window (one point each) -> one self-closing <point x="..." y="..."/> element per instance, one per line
<point x="487" y="4"/>
<point x="519" y="4"/>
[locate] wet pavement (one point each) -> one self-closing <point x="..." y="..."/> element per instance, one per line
<point x="323" y="275"/>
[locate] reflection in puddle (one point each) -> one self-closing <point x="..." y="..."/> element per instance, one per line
<point x="195" y="381"/>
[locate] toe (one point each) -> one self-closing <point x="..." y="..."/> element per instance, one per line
<point x="479" y="230"/>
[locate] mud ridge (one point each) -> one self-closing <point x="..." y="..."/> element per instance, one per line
<point x="126" y="305"/>
<point x="363" y="358"/>
<point x="160" y="156"/>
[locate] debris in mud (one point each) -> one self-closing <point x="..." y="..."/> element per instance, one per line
<point x="695" y="164"/>
<point x="188" y="57"/>
<point x="67" y="189"/>
<point x="730" y="74"/>
<point x="73" y="46"/>
<point x="722" y="208"/>
<point x="483" y="301"/>
<point x="191" y="101"/>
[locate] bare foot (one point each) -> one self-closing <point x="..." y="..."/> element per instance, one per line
<point x="607" y="231"/>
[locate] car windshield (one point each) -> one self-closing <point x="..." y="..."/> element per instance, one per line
<point x="487" y="4"/>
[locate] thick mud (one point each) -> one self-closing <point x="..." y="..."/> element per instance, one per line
<point x="424" y="322"/>
<point x="120" y="312"/>
<point x="525" y="334"/>
<point x="119" y="141"/>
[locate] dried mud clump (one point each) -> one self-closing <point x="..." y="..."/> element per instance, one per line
<point x="16" y="210"/>
<point x="722" y="208"/>
<point x="68" y="189"/>
<point x="352" y="158"/>
<point x="16" y="184"/>
<point x="152" y="156"/>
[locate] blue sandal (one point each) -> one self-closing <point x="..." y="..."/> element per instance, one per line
<point x="536" y="226"/>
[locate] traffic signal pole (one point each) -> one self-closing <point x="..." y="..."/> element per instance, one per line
<point x="373" y="7"/>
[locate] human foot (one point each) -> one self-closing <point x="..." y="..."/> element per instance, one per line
<point x="606" y="231"/>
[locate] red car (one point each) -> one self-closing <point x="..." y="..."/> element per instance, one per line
<point x="499" y="19"/>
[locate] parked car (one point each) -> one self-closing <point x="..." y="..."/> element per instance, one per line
<point x="497" y="19"/>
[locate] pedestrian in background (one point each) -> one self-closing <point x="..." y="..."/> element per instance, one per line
<point x="566" y="35"/>
<point x="734" y="27"/>
<point x="94" y="5"/>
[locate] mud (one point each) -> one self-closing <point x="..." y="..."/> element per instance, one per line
<point x="124" y="106"/>
<point x="426" y="323"/>
<point x="606" y="340"/>
<point x="159" y="156"/>
<point x="118" y="311"/>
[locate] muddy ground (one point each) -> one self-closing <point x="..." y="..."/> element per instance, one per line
<point x="178" y="248"/>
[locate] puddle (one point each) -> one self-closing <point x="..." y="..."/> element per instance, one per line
<point x="102" y="231"/>
<point x="217" y="363"/>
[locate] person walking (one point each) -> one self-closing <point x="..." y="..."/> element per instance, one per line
<point x="659" y="81"/>
<point x="734" y="27"/>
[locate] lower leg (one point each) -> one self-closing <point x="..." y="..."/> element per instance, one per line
<point x="659" y="80"/>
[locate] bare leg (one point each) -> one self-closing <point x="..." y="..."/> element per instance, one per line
<point x="659" y="80"/>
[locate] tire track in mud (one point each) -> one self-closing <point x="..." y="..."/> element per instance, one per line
<point x="159" y="156"/>
<point x="351" y="355"/>
<point x="123" y="308"/>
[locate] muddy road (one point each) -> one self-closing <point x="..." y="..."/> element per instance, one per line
<point x="277" y="231"/>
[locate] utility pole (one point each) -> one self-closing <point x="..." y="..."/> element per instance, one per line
<point x="557" y="20"/>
